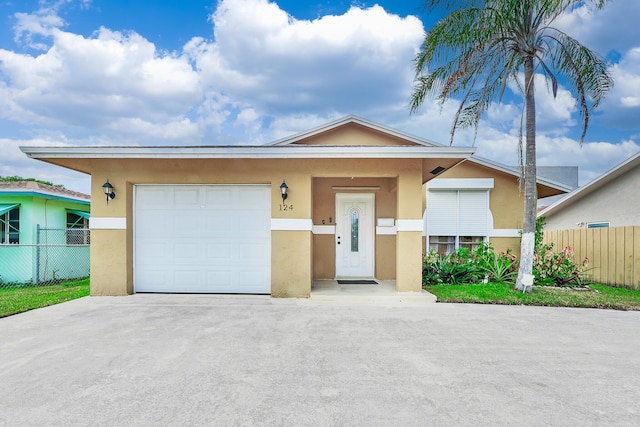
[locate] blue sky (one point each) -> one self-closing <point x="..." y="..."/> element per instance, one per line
<point x="135" y="72"/>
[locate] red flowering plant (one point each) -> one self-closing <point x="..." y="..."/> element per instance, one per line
<point x="558" y="268"/>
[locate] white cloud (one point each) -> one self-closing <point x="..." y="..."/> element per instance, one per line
<point x="264" y="58"/>
<point x="621" y="108"/>
<point x="613" y="28"/>
<point x="93" y="82"/>
<point x="266" y="75"/>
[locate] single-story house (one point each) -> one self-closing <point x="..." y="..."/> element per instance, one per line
<point x="610" y="200"/>
<point x="37" y="221"/>
<point x="349" y="199"/>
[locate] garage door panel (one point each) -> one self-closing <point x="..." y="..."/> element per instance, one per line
<point x="155" y="249"/>
<point x="217" y="197"/>
<point x="186" y="197"/>
<point x="185" y="279"/>
<point x="218" y="252"/>
<point x="202" y="238"/>
<point x="153" y="198"/>
<point x="252" y="253"/>
<point x="220" y="225"/>
<point x="150" y="221"/>
<point x="190" y="253"/>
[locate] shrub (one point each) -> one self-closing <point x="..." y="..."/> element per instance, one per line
<point x="464" y="266"/>
<point x="501" y="268"/>
<point x="558" y="268"/>
<point x="457" y="267"/>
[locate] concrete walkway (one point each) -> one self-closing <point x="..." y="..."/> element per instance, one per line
<point x="240" y="360"/>
<point x="383" y="293"/>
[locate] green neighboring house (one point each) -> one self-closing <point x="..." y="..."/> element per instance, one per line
<point x="44" y="233"/>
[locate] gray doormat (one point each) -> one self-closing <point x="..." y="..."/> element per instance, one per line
<point x="357" y="282"/>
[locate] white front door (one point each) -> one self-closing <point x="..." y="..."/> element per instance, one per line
<point x="354" y="235"/>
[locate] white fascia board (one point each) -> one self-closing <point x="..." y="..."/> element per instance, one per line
<point x="460" y="184"/>
<point x="246" y="152"/>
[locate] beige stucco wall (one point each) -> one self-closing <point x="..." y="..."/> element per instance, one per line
<point x="297" y="256"/>
<point x="617" y="202"/>
<point x="291" y="255"/>
<point x="354" y="135"/>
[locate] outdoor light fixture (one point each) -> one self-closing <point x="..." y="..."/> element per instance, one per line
<point x="283" y="189"/>
<point x="108" y="190"/>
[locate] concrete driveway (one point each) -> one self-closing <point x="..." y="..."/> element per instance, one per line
<point x="241" y="360"/>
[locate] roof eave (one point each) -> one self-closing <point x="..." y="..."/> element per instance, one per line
<point x="43" y="194"/>
<point x="247" y="152"/>
<point x="515" y="172"/>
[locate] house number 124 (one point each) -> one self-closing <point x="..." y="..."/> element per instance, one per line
<point x="286" y="207"/>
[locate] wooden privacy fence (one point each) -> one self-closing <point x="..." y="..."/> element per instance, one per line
<point x="614" y="253"/>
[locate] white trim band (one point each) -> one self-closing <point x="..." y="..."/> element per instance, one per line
<point x="409" y="224"/>
<point x="324" y="229"/>
<point x="108" y="223"/>
<point x="291" y="224"/>
<point x="460" y="184"/>
<point x="505" y="232"/>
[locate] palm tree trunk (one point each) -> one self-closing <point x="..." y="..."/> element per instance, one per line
<point x="530" y="196"/>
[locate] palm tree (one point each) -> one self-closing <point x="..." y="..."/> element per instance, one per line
<point x="480" y="46"/>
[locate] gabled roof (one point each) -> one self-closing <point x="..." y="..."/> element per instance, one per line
<point x="515" y="171"/>
<point x="604" y="179"/>
<point x="284" y="148"/>
<point x="416" y="147"/>
<point x="37" y="189"/>
<point x="351" y="119"/>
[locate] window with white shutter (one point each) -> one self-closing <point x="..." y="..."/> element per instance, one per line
<point x="457" y="214"/>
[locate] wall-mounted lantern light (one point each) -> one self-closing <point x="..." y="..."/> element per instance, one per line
<point x="283" y="189"/>
<point x="108" y="190"/>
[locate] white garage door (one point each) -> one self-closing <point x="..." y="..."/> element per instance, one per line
<point x="202" y="238"/>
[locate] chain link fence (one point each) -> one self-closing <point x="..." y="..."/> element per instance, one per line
<point x="58" y="255"/>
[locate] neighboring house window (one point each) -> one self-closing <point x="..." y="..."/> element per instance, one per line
<point x="598" y="225"/>
<point x="457" y="218"/>
<point x="10" y="226"/>
<point x="77" y="229"/>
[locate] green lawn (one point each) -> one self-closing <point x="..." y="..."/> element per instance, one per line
<point x="17" y="300"/>
<point x="500" y="293"/>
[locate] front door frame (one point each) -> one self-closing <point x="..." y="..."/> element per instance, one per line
<point x="364" y="264"/>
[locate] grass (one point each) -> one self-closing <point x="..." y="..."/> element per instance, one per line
<point x="18" y="300"/>
<point x="503" y="293"/>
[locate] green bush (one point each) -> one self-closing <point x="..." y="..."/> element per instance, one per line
<point x="464" y="266"/>
<point x="558" y="268"/>
<point x="501" y="268"/>
<point x="484" y="264"/>
<point x="456" y="267"/>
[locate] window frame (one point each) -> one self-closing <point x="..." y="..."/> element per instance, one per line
<point x="8" y="221"/>
<point x="77" y="230"/>
<point x="599" y="224"/>
<point x="454" y="232"/>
